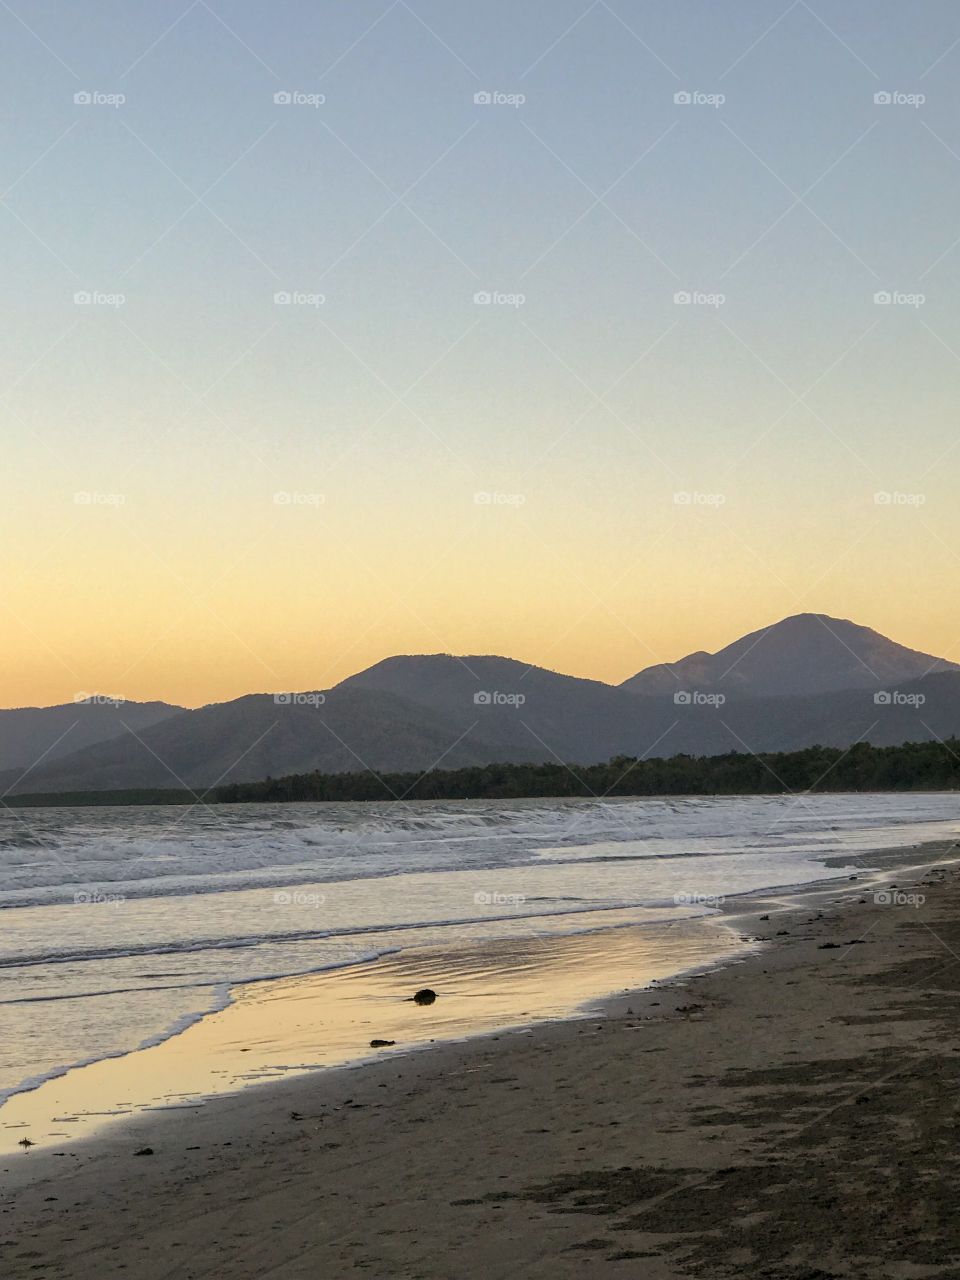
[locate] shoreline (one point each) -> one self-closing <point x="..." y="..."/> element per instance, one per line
<point x="685" y="915"/>
<point x="20" y="1115"/>
<point x="290" y="1027"/>
<point x="163" y="798"/>
<point x="568" y="1112"/>
<point x="28" y="1110"/>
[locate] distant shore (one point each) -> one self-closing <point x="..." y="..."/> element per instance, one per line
<point x="793" y="1114"/>
<point x="861" y="767"/>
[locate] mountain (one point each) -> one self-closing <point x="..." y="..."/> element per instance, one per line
<point x="915" y="711"/>
<point x="805" y="681"/>
<point x="533" y="713"/>
<point x="808" y="653"/>
<point x="254" y="737"/>
<point x="31" y="734"/>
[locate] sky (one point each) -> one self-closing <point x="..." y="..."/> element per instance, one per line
<point x="587" y="333"/>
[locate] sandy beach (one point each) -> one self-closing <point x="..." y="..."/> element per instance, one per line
<point x="791" y="1116"/>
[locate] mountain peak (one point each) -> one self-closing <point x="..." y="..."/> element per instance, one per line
<point x="805" y="653"/>
<point x="806" y="679"/>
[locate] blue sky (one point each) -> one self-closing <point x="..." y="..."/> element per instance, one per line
<point x="783" y="198"/>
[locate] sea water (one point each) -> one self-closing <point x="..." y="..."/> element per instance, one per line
<point x="121" y="927"/>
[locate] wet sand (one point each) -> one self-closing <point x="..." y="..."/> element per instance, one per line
<point x="792" y="1116"/>
<point x="277" y="1028"/>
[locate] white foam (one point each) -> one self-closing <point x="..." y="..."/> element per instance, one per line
<point x="197" y="908"/>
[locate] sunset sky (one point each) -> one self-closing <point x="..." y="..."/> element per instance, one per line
<point x="207" y="491"/>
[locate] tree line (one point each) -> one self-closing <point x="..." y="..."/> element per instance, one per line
<point x="915" y="766"/>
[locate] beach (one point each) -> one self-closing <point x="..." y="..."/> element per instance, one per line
<point x="480" y="667"/>
<point x="790" y="1114"/>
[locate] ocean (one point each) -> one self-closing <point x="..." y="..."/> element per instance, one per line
<point x="122" y="927"/>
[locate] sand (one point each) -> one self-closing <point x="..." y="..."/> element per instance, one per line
<point x="792" y="1116"/>
<point x="274" y="1028"/>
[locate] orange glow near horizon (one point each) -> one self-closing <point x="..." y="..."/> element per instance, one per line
<point x="147" y="631"/>
<point x="262" y="440"/>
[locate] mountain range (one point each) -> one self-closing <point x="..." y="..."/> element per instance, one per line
<point x="809" y="679"/>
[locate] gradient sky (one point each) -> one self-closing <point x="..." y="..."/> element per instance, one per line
<point x="146" y="444"/>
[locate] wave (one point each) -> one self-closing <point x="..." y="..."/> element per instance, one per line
<point x="246" y="980"/>
<point x="248" y="941"/>
<point x="222" y="996"/>
<point x="147" y="854"/>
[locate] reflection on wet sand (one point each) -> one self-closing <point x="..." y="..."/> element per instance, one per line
<point x="295" y="1024"/>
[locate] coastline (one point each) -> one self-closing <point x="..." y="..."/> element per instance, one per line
<point x="281" y="1027"/>
<point x="613" y="1107"/>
